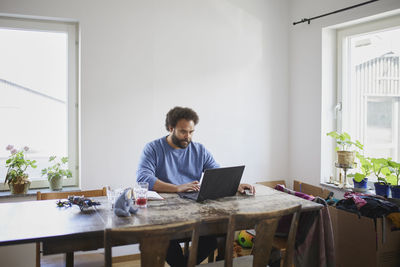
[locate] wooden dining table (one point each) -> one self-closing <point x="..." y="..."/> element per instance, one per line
<point x="68" y="229"/>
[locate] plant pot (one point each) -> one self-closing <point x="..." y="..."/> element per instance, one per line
<point x="346" y="158"/>
<point x="395" y="191"/>
<point x="56" y="183"/>
<point x="381" y="189"/>
<point x="361" y="186"/>
<point x="21" y="188"/>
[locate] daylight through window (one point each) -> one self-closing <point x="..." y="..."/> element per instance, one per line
<point x="370" y="91"/>
<point x="38" y="92"/>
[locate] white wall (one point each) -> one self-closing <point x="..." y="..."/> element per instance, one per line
<point x="226" y="59"/>
<point x="308" y="118"/>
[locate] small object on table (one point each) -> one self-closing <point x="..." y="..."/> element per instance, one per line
<point x="80" y="201"/>
<point x="123" y="206"/>
<point x="248" y="193"/>
<point x="141" y="190"/>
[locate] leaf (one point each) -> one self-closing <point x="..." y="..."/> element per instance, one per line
<point x="386" y="171"/>
<point x="358" y="177"/>
<point x="359" y="145"/>
<point x="346" y="136"/>
<point x="333" y="134"/>
<point x="391" y="180"/>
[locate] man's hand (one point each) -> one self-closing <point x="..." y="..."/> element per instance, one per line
<point x="242" y="187"/>
<point x="193" y="186"/>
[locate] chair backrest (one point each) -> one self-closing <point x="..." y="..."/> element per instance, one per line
<point x="310" y="189"/>
<point x="55" y="195"/>
<point x="265" y="224"/>
<point x="59" y="195"/>
<point x="272" y="183"/>
<point x="153" y="240"/>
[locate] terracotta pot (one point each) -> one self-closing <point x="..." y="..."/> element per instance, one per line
<point x="346" y="158"/>
<point x="20" y="188"/>
<point x="56" y="183"/>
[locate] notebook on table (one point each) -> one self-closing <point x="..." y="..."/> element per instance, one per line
<point x="217" y="183"/>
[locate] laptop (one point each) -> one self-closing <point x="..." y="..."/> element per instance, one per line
<point x="217" y="183"/>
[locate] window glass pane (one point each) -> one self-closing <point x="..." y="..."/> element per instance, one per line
<point x="379" y="152"/>
<point x="33" y="94"/>
<point x="372" y="91"/>
<point x="379" y="121"/>
<point x="371" y="88"/>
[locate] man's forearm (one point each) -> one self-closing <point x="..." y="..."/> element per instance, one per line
<point x="163" y="187"/>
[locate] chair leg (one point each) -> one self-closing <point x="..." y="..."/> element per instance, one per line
<point x="211" y="257"/>
<point x="289" y="253"/>
<point x="37" y="254"/>
<point x="69" y="259"/>
<point x="221" y="248"/>
<point x="107" y="248"/>
<point x="186" y="248"/>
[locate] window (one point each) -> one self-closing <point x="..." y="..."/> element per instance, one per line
<point x="369" y="85"/>
<point x="38" y="93"/>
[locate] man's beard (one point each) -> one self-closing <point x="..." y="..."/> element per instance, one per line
<point x="181" y="143"/>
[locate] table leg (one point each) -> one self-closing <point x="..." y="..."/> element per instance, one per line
<point x="69" y="259"/>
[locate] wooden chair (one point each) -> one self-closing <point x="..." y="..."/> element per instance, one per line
<point x="61" y="195"/>
<point x="309" y="189"/>
<point x="272" y="184"/>
<point x="265" y="225"/>
<point x="153" y="240"/>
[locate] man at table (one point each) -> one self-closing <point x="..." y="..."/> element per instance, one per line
<point x="174" y="164"/>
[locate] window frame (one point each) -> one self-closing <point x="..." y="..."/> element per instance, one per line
<point x="342" y="69"/>
<point x="71" y="28"/>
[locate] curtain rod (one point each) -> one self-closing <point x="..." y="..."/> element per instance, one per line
<point x="330" y="13"/>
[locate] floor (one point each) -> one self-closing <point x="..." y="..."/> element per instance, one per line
<point x="87" y="260"/>
<point x="97" y="259"/>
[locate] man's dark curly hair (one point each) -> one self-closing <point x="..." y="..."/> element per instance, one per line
<point x="178" y="113"/>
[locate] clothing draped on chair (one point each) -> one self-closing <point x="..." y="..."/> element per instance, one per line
<point x="314" y="242"/>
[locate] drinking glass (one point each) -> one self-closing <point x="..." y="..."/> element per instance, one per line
<point x="141" y="189"/>
<point x="112" y="195"/>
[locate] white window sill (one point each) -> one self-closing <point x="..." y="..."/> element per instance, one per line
<point x="339" y="191"/>
<point x="32" y="192"/>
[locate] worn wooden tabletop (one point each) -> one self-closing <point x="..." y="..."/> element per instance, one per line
<point x="69" y="229"/>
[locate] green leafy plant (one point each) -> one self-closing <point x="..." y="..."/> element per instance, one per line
<point x="58" y="169"/>
<point x="344" y="142"/>
<point x="365" y="168"/>
<point x="17" y="165"/>
<point x="380" y="167"/>
<point x="394" y="177"/>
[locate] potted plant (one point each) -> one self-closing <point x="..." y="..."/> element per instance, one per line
<point x="393" y="179"/>
<point x="360" y="179"/>
<point x="17" y="164"/>
<point x="56" y="172"/>
<point x="345" y="148"/>
<point x="380" y="168"/>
